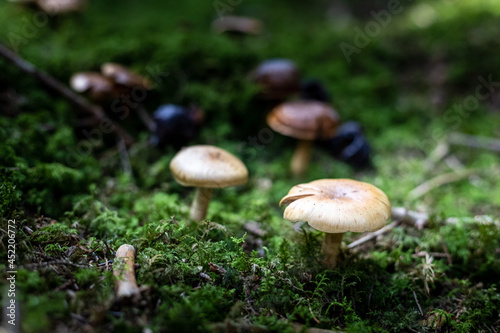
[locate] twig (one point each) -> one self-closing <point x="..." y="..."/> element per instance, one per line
<point x="439" y="181"/>
<point x="436" y="155"/>
<point x="374" y="234"/>
<point x="146" y="118"/>
<point x="416" y="219"/>
<point x="416" y="300"/>
<point x="312" y="314"/>
<point x="55" y="262"/>
<point x="124" y="157"/>
<point x="64" y="91"/>
<point x="472" y="141"/>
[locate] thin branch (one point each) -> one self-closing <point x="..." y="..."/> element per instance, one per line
<point x="63" y="90"/>
<point x="374" y="234"/>
<point x="438" y="181"/>
<point x="124" y="157"/>
<point x="418" y="304"/>
<point x="473" y="141"/>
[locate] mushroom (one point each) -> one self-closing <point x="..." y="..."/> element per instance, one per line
<point x="176" y="125"/>
<point x="124" y="76"/>
<point x="237" y="24"/>
<point x="278" y="78"/>
<point x="306" y="121"/>
<point x="61" y="6"/>
<point x="335" y="206"/>
<point x="206" y="168"/>
<point x="127" y="81"/>
<point x="95" y="85"/>
<point x="124" y="272"/>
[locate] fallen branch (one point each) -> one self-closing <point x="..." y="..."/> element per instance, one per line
<point x="374" y="234"/>
<point x="64" y="91"/>
<point x="124" y="272"/>
<point x="438" y="181"/>
<point x="472" y="141"/>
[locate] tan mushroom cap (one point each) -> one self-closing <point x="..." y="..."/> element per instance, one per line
<point x="96" y="85"/>
<point x="124" y="76"/>
<point x="208" y="166"/>
<point x="61" y="6"/>
<point x="305" y="120"/>
<point x="338" y="205"/>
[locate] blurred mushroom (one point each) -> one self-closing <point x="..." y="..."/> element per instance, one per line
<point x="336" y="206"/>
<point x="123" y="76"/>
<point x="278" y="79"/>
<point x="306" y="121"/>
<point x="95" y="85"/>
<point x="127" y="81"/>
<point x="206" y="167"/>
<point x="350" y="145"/>
<point x="237" y="24"/>
<point x="176" y="125"/>
<point x="124" y="272"/>
<point x="61" y="6"/>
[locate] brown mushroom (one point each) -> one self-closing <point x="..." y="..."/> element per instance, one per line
<point x="95" y="85"/>
<point x="123" y="76"/>
<point x="61" y="6"/>
<point x="306" y="121"/>
<point x="336" y="206"/>
<point x="206" y="167"/>
<point x="278" y="79"/>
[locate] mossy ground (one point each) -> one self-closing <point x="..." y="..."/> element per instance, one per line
<point x="402" y="88"/>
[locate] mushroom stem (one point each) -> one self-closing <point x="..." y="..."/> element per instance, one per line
<point x="200" y="203"/>
<point x="301" y="157"/>
<point x="331" y="249"/>
<point x="124" y="272"/>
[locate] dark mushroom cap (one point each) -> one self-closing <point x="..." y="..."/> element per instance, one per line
<point x="279" y="78"/>
<point x="305" y="120"/>
<point x="176" y="125"/>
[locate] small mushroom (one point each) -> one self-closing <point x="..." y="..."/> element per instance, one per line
<point x="61" y="6"/>
<point x="336" y="206"/>
<point x="278" y="79"/>
<point x="95" y="85"/>
<point x="237" y="24"/>
<point x="350" y="145"/>
<point x="123" y="76"/>
<point x="206" y="168"/>
<point x="306" y="121"/>
<point x="124" y="272"/>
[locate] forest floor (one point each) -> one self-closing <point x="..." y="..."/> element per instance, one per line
<point x="425" y="86"/>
